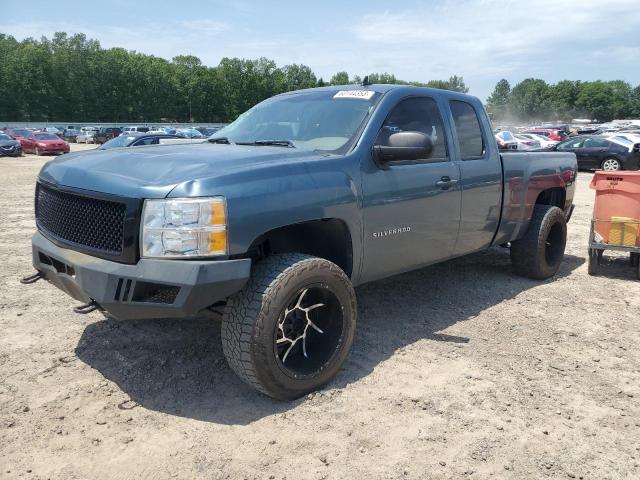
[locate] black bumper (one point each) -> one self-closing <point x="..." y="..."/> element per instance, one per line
<point x="151" y="288"/>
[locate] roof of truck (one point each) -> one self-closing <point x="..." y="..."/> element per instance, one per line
<point x="383" y="88"/>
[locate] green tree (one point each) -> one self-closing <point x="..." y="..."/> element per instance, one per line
<point x="498" y="101"/>
<point x="297" y="77"/>
<point x="340" y="78"/>
<point x="529" y="99"/>
<point x="604" y="101"/>
<point x="635" y="102"/>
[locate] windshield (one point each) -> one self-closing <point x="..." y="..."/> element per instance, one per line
<point x="121" y="141"/>
<point x="325" y="120"/>
<point x="4" y="137"/>
<point x="46" y="136"/>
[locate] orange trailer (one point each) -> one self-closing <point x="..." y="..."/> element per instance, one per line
<point x="616" y="217"/>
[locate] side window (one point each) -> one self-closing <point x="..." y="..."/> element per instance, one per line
<point x="146" y="141"/>
<point x="468" y="130"/>
<point x="570" y="144"/>
<point x="417" y="114"/>
<point x="595" y="143"/>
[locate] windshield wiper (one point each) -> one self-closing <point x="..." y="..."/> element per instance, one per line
<point x="221" y="140"/>
<point x="279" y="143"/>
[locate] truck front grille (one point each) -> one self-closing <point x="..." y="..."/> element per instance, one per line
<point x="82" y="222"/>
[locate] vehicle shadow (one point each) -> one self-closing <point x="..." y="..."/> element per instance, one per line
<point x="177" y="366"/>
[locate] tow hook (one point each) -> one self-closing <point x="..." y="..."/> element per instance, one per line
<point x="87" y="307"/>
<point x="33" y="278"/>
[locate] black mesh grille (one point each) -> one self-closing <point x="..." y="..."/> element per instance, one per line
<point x="82" y="221"/>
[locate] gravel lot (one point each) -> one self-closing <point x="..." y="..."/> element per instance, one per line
<point x="460" y="370"/>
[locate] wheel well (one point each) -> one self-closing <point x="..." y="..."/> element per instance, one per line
<point x="553" y="196"/>
<point x="327" y="238"/>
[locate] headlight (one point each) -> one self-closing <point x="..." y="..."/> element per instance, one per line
<point x="184" y="227"/>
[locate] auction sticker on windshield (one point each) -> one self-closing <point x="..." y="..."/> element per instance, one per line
<point x="361" y="94"/>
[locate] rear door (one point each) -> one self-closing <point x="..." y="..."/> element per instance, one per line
<point x="411" y="209"/>
<point x="594" y="150"/>
<point x="575" y="145"/>
<point x="481" y="179"/>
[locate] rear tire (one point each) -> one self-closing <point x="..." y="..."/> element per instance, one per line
<point x="539" y="253"/>
<point x="293" y="305"/>
<point x="611" y="165"/>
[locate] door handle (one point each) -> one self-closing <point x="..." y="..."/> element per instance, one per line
<point x="446" y="182"/>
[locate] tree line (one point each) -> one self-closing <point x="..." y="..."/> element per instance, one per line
<point x="534" y="100"/>
<point x="72" y="78"/>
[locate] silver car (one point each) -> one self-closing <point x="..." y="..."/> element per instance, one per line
<point x="88" y="136"/>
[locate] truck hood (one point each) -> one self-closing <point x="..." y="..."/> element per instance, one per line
<point x="153" y="171"/>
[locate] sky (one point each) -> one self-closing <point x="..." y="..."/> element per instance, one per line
<point x="480" y="40"/>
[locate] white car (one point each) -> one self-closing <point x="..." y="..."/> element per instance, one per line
<point x="526" y="143"/>
<point x="88" y="136"/>
<point x="544" y="141"/>
<point x="506" y="140"/>
<point x="135" y="129"/>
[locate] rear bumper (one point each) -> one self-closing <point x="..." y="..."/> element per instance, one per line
<point x="151" y="288"/>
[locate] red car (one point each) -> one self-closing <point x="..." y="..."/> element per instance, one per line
<point x="550" y="133"/>
<point x="19" y="134"/>
<point x="41" y="143"/>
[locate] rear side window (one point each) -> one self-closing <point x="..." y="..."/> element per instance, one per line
<point x="595" y="143"/>
<point x="468" y="130"/>
<point x="416" y="114"/>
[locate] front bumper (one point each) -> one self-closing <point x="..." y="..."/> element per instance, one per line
<point x="15" y="151"/>
<point x="152" y="288"/>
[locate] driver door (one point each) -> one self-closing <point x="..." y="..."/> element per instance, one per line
<point x="412" y="208"/>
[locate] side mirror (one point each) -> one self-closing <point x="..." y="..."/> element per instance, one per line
<point x="403" y="146"/>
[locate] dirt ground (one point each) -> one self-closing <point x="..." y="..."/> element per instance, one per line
<point x="460" y="370"/>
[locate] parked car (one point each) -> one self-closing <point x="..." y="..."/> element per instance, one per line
<point x="526" y="143"/>
<point x="19" y="134"/>
<point x="207" y="131"/>
<point x="105" y="134"/>
<point x="87" y="136"/>
<point x="9" y="147"/>
<point x="603" y="153"/>
<point x="506" y="140"/>
<point x="552" y="134"/>
<point x="51" y="129"/>
<point x="135" y="129"/>
<point x="42" y="143"/>
<point x="545" y="142"/>
<point x="279" y="215"/>
<point x="189" y="133"/>
<point x="126" y="140"/>
<point x="70" y="135"/>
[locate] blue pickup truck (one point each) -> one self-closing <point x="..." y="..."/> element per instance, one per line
<point x="280" y="214"/>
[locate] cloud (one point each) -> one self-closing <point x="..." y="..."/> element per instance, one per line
<point x="482" y="40"/>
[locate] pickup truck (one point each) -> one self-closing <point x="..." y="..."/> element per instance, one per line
<point x="104" y="134"/>
<point x="276" y="218"/>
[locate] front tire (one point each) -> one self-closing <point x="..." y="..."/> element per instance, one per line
<point x="289" y="330"/>
<point x="539" y="253"/>
<point x="38" y="152"/>
<point x="611" y="165"/>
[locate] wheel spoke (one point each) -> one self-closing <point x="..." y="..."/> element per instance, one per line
<point x="302" y="334"/>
